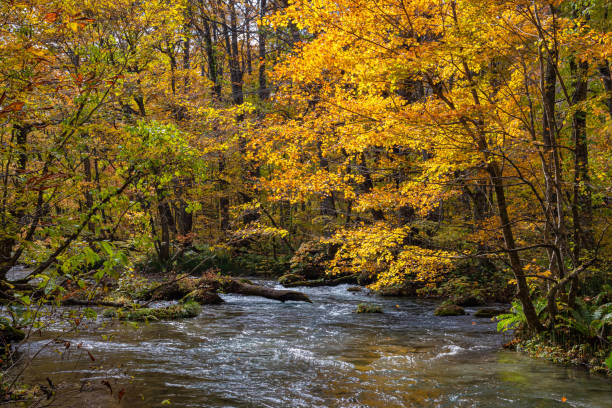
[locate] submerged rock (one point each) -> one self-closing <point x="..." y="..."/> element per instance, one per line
<point x="489" y="312"/>
<point x="368" y="308"/>
<point x="449" y="310"/>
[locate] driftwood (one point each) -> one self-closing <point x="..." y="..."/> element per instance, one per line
<point x="242" y="288"/>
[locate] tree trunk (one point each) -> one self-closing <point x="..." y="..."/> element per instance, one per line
<point x="236" y="286"/>
<point x="264" y="92"/>
<point x="531" y="316"/>
<point x="606" y="77"/>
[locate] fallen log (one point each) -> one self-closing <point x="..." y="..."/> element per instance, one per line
<point x="247" y="289"/>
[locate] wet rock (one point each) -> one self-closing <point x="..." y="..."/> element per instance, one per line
<point x="449" y="310"/>
<point x="368" y="308"/>
<point x="489" y="312"/>
<point x="354" y="289"/>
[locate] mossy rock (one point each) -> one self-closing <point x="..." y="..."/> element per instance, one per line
<point x="290" y="278"/>
<point x="203" y="297"/>
<point x="354" y="289"/>
<point x="449" y="310"/>
<point x="489" y="312"/>
<point x="368" y="308"/>
<point x="174" y="312"/>
<point x="8" y="333"/>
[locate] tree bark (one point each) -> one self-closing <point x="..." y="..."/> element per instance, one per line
<point x="533" y="320"/>
<point x="264" y="92"/>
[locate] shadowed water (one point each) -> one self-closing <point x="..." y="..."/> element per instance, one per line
<point x="252" y="352"/>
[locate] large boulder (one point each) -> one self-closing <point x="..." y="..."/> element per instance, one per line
<point x="203" y="297"/>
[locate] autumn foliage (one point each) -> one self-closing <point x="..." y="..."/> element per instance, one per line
<point x="411" y="135"/>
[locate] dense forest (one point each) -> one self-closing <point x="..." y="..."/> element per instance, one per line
<point x="161" y="150"/>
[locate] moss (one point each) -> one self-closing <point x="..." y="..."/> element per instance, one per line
<point x="174" y="312"/>
<point x="369" y="308"/>
<point x="449" y="310"/>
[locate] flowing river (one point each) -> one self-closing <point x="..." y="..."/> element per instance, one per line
<point x="251" y="352"/>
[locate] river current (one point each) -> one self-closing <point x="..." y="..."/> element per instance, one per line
<point x="251" y="352"/>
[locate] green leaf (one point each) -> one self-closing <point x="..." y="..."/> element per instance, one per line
<point x="608" y="361"/>
<point x="90" y="313"/>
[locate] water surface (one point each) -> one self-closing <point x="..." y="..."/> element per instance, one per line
<point x="251" y="352"/>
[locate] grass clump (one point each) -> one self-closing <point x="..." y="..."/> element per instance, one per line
<point x="369" y="308"/>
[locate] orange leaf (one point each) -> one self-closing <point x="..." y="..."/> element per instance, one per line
<point x="14" y="107"/>
<point x="51" y="17"/>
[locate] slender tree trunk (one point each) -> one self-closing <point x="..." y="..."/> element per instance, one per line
<point x="533" y="320"/>
<point x="328" y="205"/>
<point x="606" y="78"/>
<point x="212" y="59"/>
<point x="368" y="185"/>
<point x="264" y="92"/>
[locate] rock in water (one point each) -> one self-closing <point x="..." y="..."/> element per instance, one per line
<point x="489" y="312"/>
<point x="368" y="308"/>
<point x="449" y="310"/>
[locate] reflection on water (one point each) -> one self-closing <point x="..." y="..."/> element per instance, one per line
<point x="253" y="352"/>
